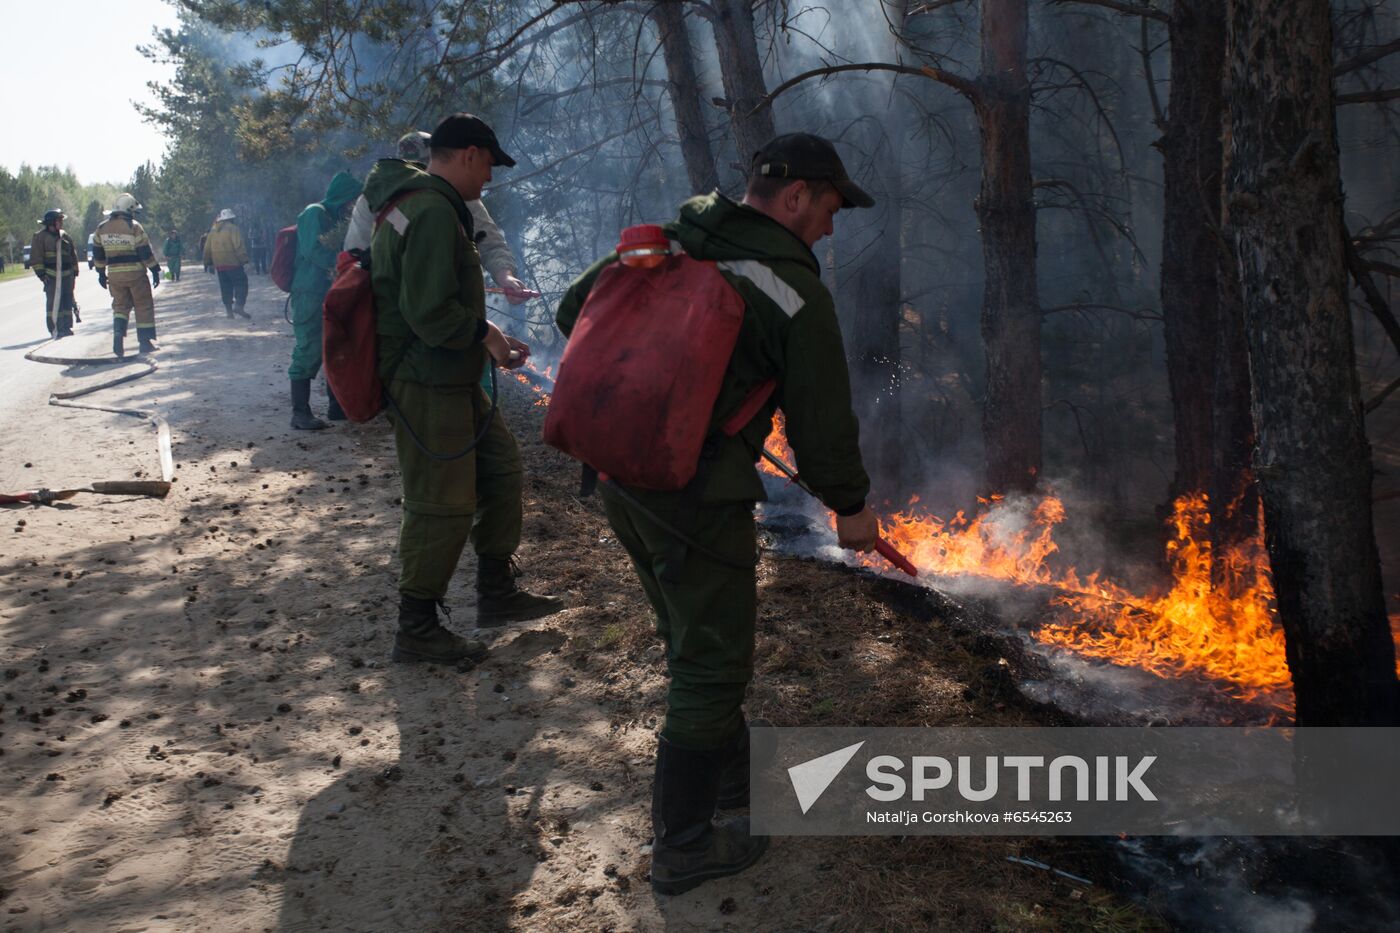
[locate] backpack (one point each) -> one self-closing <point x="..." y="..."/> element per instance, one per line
<point x="642" y="371"/>
<point x="284" y="258"/>
<point x="349" y="340"/>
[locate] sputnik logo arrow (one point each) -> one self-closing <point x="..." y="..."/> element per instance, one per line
<point x="811" y="778"/>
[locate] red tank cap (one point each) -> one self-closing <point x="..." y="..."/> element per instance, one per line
<point x="643" y="236"/>
<point x="643" y="246"/>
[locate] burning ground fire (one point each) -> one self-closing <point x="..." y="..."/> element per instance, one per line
<point x="535" y="385"/>
<point x="1190" y="628"/>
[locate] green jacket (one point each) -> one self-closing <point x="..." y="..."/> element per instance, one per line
<point x="174" y="247"/>
<point x="429" y="297"/>
<point x="789" y="332"/>
<point x="316" y="249"/>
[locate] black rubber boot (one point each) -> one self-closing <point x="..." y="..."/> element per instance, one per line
<point x="689" y="847"/>
<point x="119" y="336"/>
<point x="302" y="418"/>
<point x="734" y="776"/>
<point x="333" y="410"/>
<point x="228" y="310"/>
<point x="734" y="773"/>
<point x="238" y="310"/>
<point x="421" y="637"/>
<point x="499" y="600"/>
<point x="146" y="339"/>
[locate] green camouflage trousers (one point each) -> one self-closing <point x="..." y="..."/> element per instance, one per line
<point x="705" y="610"/>
<point x="447" y="502"/>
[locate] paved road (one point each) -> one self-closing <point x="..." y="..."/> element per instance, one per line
<point x="22" y="329"/>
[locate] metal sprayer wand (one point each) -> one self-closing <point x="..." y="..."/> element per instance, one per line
<point x="883" y="547"/>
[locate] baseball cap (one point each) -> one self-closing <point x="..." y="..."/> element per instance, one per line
<point x="808" y="157"/>
<point x="413" y="146"/>
<point x="462" y="130"/>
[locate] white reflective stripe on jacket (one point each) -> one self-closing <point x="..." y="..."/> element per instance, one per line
<point x="496" y="256"/>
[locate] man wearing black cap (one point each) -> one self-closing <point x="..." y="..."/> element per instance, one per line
<point x="706" y="608"/>
<point x="462" y="475"/>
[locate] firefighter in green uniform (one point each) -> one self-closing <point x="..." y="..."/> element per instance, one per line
<point x="43" y="259"/>
<point x="320" y="232"/>
<point x="434" y="339"/>
<point x="706" y="608"/>
<point x="174" y="249"/>
<point x="122" y="254"/>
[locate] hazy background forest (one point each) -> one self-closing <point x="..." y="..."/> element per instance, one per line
<point x="271" y="99"/>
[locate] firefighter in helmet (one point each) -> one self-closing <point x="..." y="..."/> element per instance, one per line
<point x="43" y="259"/>
<point x="122" y="255"/>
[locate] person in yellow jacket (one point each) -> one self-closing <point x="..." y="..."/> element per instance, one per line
<point x="121" y="253"/>
<point x="224" y="250"/>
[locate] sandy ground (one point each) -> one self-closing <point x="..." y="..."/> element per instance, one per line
<point x="201" y="730"/>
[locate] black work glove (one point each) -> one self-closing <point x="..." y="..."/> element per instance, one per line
<point x="102" y="278"/>
<point x="155" y="277"/>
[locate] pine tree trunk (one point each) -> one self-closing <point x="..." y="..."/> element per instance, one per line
<point x="683" y="87"/>
<point x="741" y="71"/>
<point x="1011" y="415"/>
<point x="1313" y="461"/>
<point x="1191" y="159"/>
<point x="1234" y="493"/>
<point x="1207" y="362"/>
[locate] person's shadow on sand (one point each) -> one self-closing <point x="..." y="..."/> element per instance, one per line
<point x="425" y="841"/>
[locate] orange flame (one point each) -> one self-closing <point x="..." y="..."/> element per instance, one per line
<point x="543" y="396"/>
<point x="1228" y="632"/>
<point x="778" y="446"/>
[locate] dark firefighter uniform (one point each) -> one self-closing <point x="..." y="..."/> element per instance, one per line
<point x="43" y="259"/>
<point x="174" y="250"/>
<point x="123" y="258"/>
<point x="705" y="610"/>
<point x="430" y="303"/>
<point x="431" y="307"/>
<point x="705" y="597"/>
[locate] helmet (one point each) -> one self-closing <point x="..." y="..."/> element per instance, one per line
<point x="225" y="214"/>
<point x="413" y="147"/>
<point x="125" y="204"/>
<point x="52" y="214"/>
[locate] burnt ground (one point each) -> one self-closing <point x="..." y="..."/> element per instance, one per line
<point x="200" y="728"/>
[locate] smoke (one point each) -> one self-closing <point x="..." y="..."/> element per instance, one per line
<point x="1266" y="885"/>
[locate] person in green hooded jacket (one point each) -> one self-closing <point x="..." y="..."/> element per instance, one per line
<point x="320" y="230"/>
<point x="705" y="598"/>
<point x="461" y="468"/>
<point x="174" y="250"/>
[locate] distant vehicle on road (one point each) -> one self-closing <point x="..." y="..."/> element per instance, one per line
<point x="91" y="237"/>
<point x="26" y="256"/>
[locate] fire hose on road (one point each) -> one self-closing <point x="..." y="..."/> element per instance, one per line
<point x="152" y="488"/>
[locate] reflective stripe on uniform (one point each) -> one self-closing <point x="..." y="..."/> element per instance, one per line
<point x="120" y="245"/>
<point x="398" y="220"/>
<point x="766" y="280"/>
